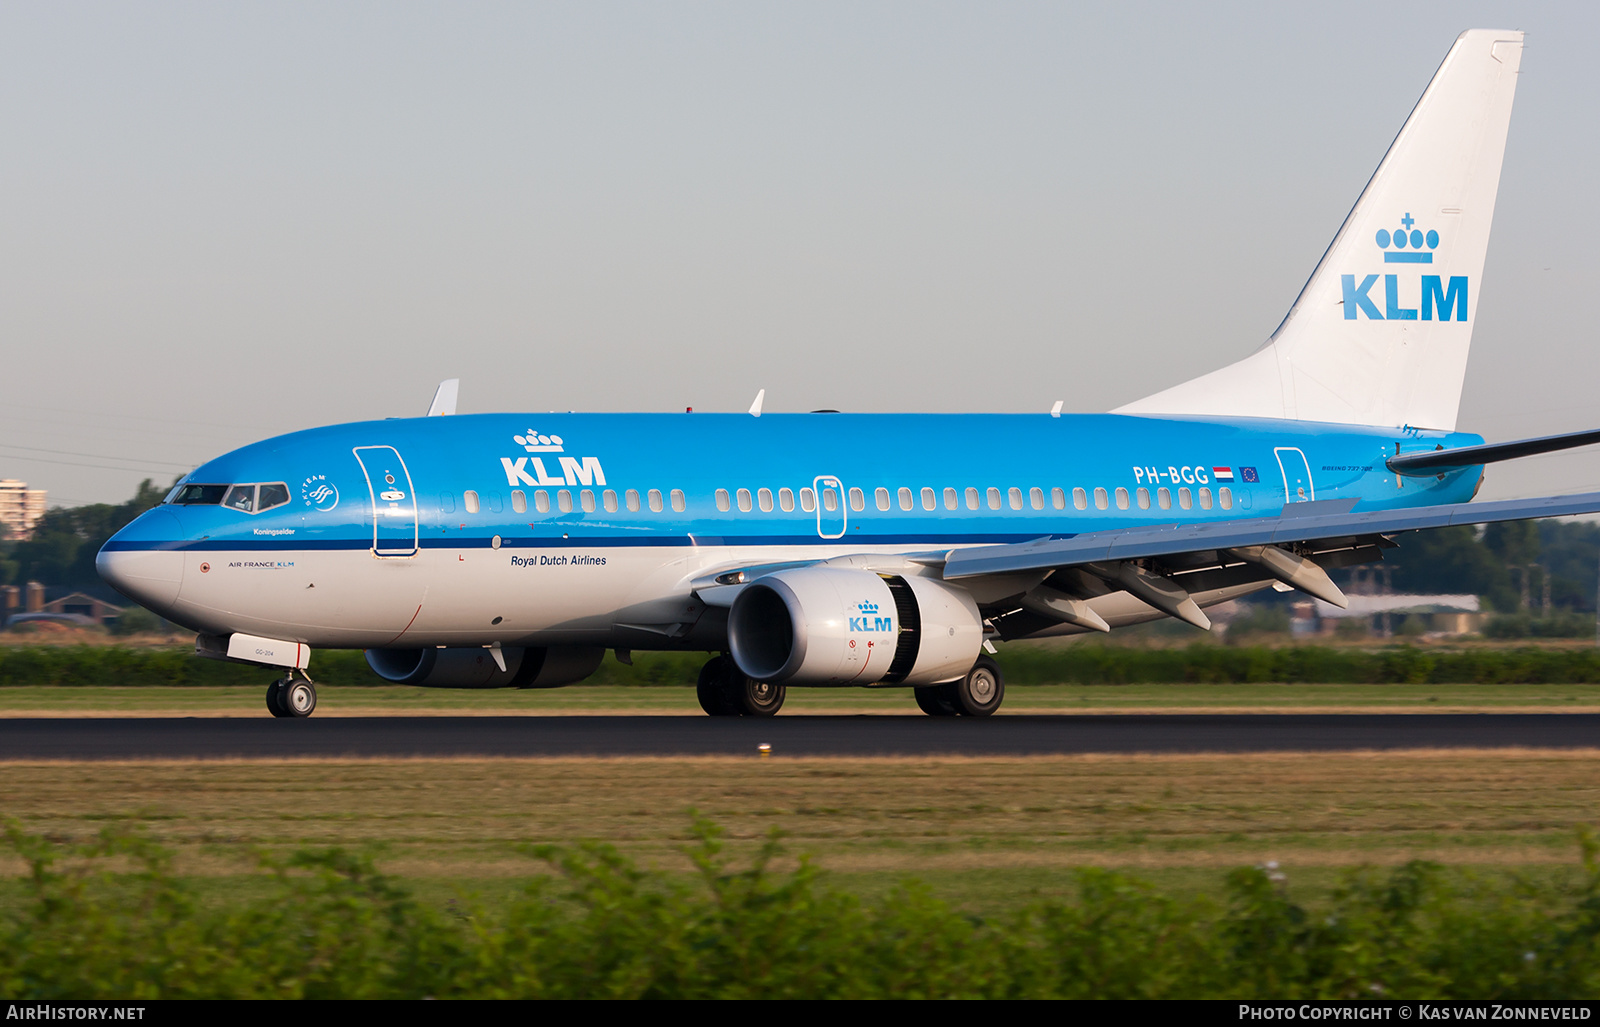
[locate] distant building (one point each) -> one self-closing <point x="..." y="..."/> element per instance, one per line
<point x="1385" y="614"/>
<point x="20" y="508"/>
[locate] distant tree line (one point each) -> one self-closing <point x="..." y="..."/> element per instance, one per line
<point x="1513" y="565"/>
<point x="66" y="539"/>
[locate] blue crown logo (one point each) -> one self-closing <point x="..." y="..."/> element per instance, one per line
<point x="867" y="607"/>
<point x="1408" y="243"/>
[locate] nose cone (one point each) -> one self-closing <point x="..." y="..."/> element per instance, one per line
<point x="142" y="560"/>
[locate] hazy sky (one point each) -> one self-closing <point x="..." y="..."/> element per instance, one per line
<point x="220" y="222"/>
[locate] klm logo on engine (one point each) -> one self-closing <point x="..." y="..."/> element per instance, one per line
<point x="869" y="619"/>
<point x="531" y="470"/>
<point x="1432" y="295"/>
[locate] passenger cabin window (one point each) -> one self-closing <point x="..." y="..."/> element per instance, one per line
<point x="994" y="499"/>
<point x="1036" y="498"/>
<point x="519" y="501"/>
<point x="678" y="502"/>
<point x="928" y="500"/>
<point x="241" y="497"/>
<point x="564" y="501"/>
<point x="631" y="497"/>
<point x="655" y="500"/>
<point x="1122" y="498"/>
<point x="1100" y="501"/>
<point x="269" y="496"/>
<point x="722" y="500"/>
<point x="1015" y="495"/>
<point x="858" y="501"/>
<point x="808" y="500"/>
<point x="1185" y="500"/>
<point x="541" y="501"/>
<point x="1164" y="498"/>
<point x="882" y="497"/>
<point x="830" y="499"/>
<point x="447" y="502"/>
<point x="1143" y="496"/>
<point x="1205" y="499"/>
<point x="1080" y="499"/>
<point x="470" y="501"/>
<point x="972" y="499"/>
<point x="951" y="499"/>
<point x="199" y="495"/>
<point x="786" y="500"/>
<point x="586" y="500"/>
<point x="905" y="499"/>
<point x="1225" y="497"/>
<point x="609" y="499"/>
<point x="1058" y="498"/>
<point x="745" y="503"/>
<point x="764" y="500"/>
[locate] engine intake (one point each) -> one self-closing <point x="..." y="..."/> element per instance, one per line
<point x="838" y="626"/>
<point x="475" y="668"/>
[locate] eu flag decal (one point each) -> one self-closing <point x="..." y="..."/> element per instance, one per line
<point x="1249" y="474"/>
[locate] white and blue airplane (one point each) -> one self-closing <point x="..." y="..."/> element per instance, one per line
<point x="829" y="549"/>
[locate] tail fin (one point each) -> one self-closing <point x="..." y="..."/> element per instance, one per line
<point x="1379" y="335"/>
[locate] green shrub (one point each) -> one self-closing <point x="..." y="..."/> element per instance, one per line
<point x="135" y="620"/>
<point x="109" y="919"/>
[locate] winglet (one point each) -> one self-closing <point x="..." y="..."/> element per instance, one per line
<point x="444" y="398"/>
<point x="755" y="408"/>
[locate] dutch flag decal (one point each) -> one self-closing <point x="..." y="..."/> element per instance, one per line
<point x="1222" y="473"/>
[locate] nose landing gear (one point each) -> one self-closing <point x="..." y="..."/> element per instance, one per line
<point x="292" y="696"/>
<point x="725" y="692"/>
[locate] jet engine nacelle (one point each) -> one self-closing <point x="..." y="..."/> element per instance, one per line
<point x="839" y="626"/>
<point x="475" y="667"/>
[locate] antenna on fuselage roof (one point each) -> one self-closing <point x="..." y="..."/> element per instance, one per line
<point x="755" y="408"/>
<point x="444" y="398"/>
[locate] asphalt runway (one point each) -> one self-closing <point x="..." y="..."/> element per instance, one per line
<point x="222" y="738"/>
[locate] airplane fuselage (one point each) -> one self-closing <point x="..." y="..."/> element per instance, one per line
<point x="587" y="529"/>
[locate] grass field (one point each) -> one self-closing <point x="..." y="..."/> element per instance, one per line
<point x="335" y="701"/>
<point x="984" y="833"/>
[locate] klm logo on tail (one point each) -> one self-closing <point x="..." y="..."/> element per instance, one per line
<point x="1406" y="245"/>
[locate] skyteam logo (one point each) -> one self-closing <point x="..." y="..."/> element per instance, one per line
<point x="870" y="620"/>
<point x="524" y="470"/>
<point x="1407" y="244"/>
<point x="319" y="493"/>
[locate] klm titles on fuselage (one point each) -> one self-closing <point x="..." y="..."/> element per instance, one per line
<point x="530" y="470"/>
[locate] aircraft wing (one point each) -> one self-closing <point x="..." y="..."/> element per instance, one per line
<point x="1301" y="522"/>
<point x="1162" y="565"/>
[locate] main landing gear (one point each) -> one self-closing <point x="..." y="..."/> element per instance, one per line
<point x="978" y="694"/>
<point x="725" y="692"/>
<point x="292" y="695"/>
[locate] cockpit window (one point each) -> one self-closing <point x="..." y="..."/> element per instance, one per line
<point x="199" y="495"/>
<point x="250" y="499"/>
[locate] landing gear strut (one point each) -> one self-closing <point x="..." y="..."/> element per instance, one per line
<point x="724" y="691"/>
<point x="978" y="694"/>
<point x="292" y="695"/>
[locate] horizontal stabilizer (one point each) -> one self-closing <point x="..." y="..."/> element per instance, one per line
<point x="1424" y="465"/>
